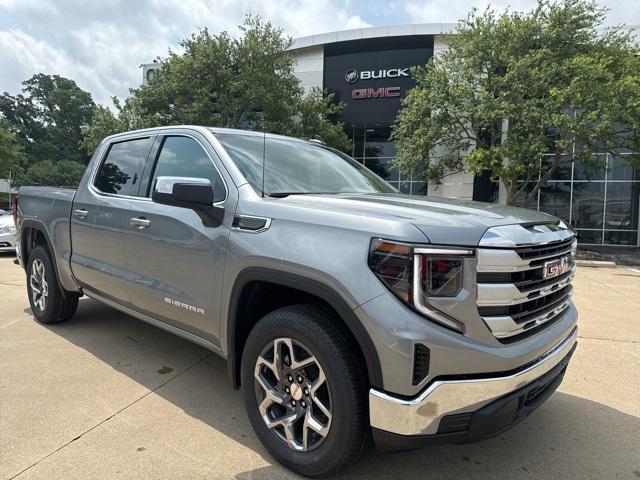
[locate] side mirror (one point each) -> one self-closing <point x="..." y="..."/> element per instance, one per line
<point x="193" y="193"/>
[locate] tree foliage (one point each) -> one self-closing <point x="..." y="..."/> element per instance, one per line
<point x="514" y="86"/>
<point x="62" y="173"/>
<point x="105" y="122"/>
<point x="11" y="154"/>
<point x="49" y="118"/>
<point x="218" y="80"/>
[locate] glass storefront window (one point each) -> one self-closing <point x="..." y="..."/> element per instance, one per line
<point x="563" y="172"/>
<point x="555" y="198"/>
<point x="522" y="196"/>
<point x="378" y="143"/>
<point x="588" y="204"/>
<point x="622" y="210"/>
<point x="594" y="169"/>
<point x="589" y="236"/>
<point x="405" y="187"/>
<point x="418" y="188"/>
<point x="619" y="170"/>
<point x="382" y="167"/>
<point x="620" y="238"/>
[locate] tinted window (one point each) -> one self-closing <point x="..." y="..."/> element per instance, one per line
<point x="185" y="157"/>
<point x="122" y="169"/>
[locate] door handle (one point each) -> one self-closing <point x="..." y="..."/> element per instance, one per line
<point x="80" y="213"/>
<point x="140" y="222"/>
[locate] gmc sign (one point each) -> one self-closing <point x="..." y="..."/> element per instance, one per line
<point x="382" y="92"/>
<point x="372" y="75"/>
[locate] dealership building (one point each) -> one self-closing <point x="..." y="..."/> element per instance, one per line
<point x="368" y="70"/>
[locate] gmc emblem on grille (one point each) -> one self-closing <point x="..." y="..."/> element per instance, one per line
<point x="557" y="267"/>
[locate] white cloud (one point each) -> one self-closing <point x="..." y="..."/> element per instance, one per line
<point x="101" y="44"/>
<point x="434" y="11"/>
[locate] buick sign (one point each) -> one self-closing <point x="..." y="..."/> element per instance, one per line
<point x="351" y="76"/>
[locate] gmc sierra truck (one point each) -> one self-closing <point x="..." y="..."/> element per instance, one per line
<point x="344" y="309"/>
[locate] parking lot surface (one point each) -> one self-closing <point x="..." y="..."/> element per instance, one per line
<point x="107" y="396"/>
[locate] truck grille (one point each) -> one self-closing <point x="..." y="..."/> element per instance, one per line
<point x="515" y="299"/>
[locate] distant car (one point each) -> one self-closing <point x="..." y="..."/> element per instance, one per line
<point x="7" y="232"/>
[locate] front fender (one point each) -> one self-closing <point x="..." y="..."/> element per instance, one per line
<point x="307" y="285"/>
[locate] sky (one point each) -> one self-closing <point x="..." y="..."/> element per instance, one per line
<point x="102" y="43"/>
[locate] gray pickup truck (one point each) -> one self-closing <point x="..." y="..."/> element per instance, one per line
<point x="344" y="309"/>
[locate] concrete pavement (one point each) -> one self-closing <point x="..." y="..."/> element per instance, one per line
<point x="108" y="396"/>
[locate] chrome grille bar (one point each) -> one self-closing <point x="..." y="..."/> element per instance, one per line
<point x="490" y="294"/>
<point x="514" y="297"/>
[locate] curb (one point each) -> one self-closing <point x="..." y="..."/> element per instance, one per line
<point x="595" y="263"/>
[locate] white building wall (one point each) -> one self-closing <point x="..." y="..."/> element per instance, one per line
<point x="457" y="185"/>
<point x="309" y="66"/>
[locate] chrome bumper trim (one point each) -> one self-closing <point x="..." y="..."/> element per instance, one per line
<point x="422" y="415"/>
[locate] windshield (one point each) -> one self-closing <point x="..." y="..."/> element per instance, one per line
<point x="297" y="167"/>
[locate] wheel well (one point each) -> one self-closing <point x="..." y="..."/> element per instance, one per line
<point x="32" y="238"/>
<point x="259" y="298"/>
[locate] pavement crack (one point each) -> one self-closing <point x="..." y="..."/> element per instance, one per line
<point x="202" y="359"/>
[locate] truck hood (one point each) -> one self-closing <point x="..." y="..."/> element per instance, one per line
<point x="443" y="220"/>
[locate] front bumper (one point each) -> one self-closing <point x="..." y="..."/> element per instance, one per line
<point x="446" y="409"/>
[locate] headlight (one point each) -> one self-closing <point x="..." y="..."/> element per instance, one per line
<point x="574" y="248"/>
<point x="415" y="274"/>
<point x="7" y="229"/>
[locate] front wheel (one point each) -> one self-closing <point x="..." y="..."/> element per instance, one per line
<point x="304" y="390"/>
<point x="48" y="303"/>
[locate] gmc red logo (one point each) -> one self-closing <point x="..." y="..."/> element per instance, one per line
<point x="554" y="268"/>
<point x="382" y="92"/>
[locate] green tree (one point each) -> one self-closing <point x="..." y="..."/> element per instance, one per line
<point x="49" y="118"/>
<point x="11" y="154"/>
<point x="219" y="80"/>
<point x="514" y="86"/>
<point x="105" y="122"/>
<point x="63" y="173"/>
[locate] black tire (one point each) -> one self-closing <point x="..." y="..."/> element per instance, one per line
<point x="59" y="305"/>
<point x="318" y="330"/>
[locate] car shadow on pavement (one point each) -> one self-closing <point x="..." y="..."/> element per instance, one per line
<point x="568" y="437"/>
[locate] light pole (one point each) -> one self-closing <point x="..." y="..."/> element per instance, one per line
<point x="10" y="188"/>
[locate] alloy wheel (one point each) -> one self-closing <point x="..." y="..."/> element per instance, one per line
<point x="293" y="394"/>
<point x="39" y="285"/>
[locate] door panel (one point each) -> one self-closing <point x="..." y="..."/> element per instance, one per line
<point x="178" y="265"/>
<point x="100" y="219"/>
<point x="98" y="254"/>
<point x="178" y="259"/>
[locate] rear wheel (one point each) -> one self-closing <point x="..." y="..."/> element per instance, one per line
<point x="48" y="302"/>
<point x="304" y="390"/>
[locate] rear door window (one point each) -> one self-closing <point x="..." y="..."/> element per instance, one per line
<point x="122" y="168"/>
